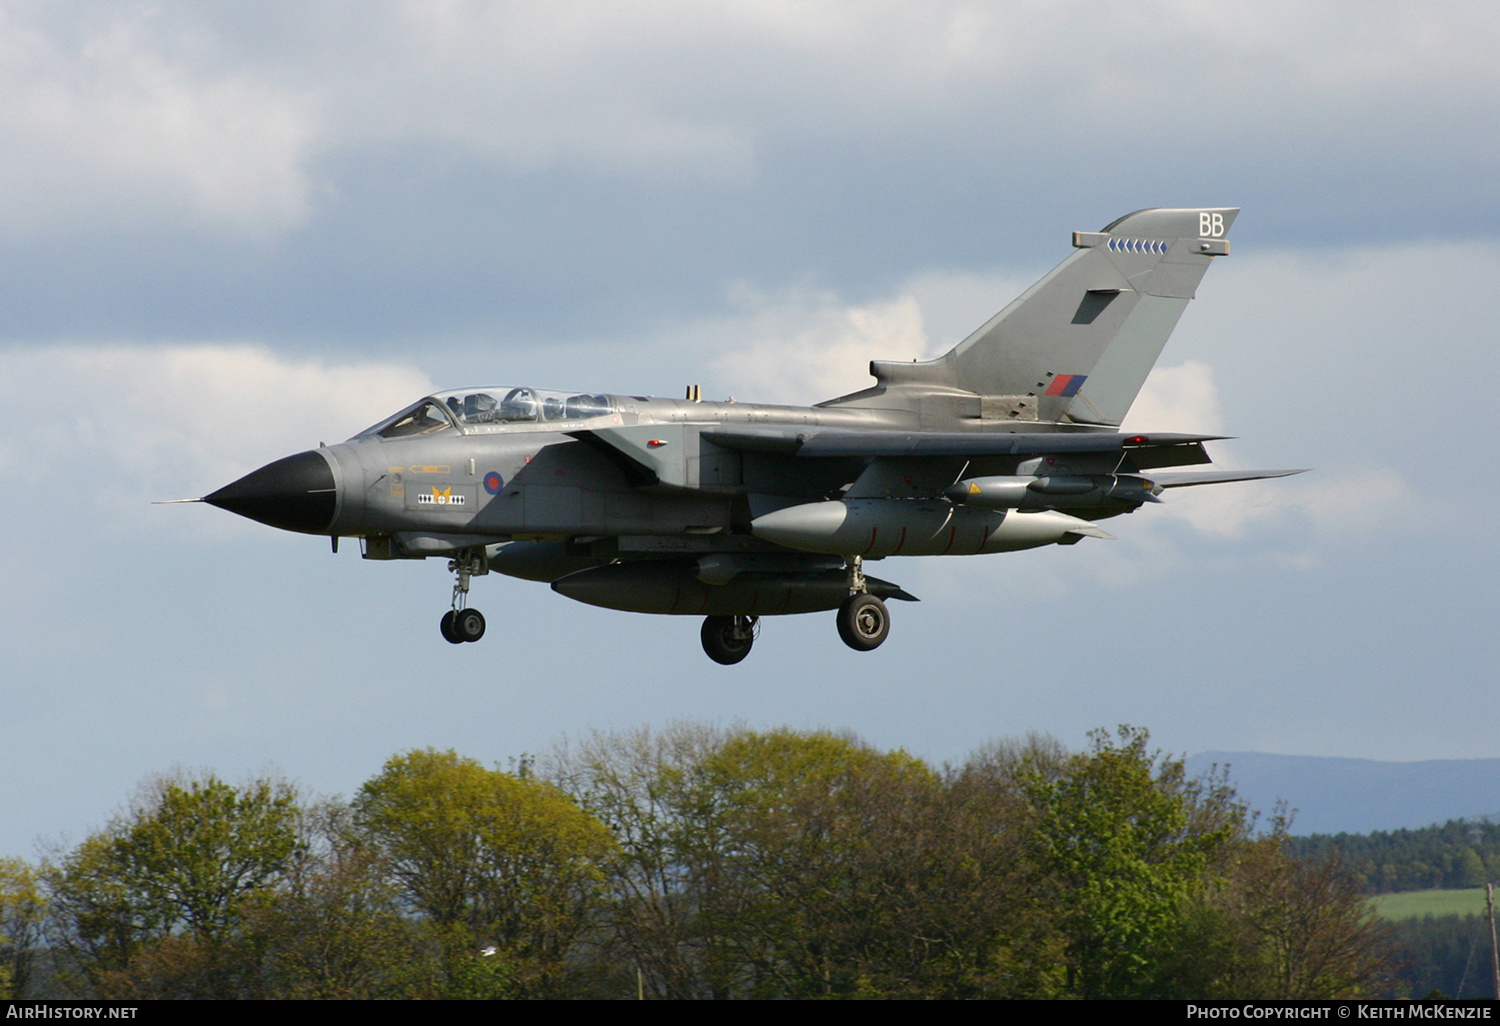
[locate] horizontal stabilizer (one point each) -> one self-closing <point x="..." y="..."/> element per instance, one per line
<point x="1182" y="479"/>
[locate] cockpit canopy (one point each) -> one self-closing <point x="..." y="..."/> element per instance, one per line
<point x="482" y="410"/>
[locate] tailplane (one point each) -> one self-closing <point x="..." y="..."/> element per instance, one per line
<point x="1077" y="346"/>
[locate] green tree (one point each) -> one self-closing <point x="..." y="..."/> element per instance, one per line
<point x="1122" y="845"/>
<point x="512" y="861"/>
<point x="813" y="868"/>
<point x="335" y="927"/>
<point x="1017" y="947"/>
<point x="22" y="908"/>
<point x="171" y="873"/>
<point x="647" y="787"/>
<point x="1314" y="934"/>
<point x="199" y="847"/>
<point x="786" y="863"/>
<point x="1471" y="871"/>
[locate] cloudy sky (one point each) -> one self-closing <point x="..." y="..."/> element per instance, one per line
<point x="228" y="232"/>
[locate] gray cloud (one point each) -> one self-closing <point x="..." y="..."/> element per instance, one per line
<point x="363" y="175"/>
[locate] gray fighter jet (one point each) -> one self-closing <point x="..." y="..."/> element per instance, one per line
<point x="736" y="511"/>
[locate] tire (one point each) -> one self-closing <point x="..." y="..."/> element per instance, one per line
<point x="446" y="627"/>
<point x="468" y="625"/>
<point x="722" y="640"/>
<point x="864" y="622"/>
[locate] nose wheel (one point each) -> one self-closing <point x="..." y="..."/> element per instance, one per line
<point x="727" y="639"/>
<point x="460" y="623"/>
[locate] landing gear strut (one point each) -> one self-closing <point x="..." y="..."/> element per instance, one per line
<point x="863" y="620"/>
<point x="727" y="639"/>
<point x="460" y="623"/>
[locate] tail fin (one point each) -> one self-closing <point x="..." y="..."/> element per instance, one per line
<point x="1077" y="345"/>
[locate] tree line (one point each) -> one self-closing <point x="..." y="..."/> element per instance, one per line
<point x="1458" y="853"/>
<point x="1447" y="955"/>
<point x="698" y="862"/>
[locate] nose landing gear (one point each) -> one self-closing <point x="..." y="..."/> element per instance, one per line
<point x="460" y="623"/>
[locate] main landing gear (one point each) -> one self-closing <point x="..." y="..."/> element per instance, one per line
<point x="727" y="639"/>
<point x="460" y="623"/>
<point x="863" y="620"/>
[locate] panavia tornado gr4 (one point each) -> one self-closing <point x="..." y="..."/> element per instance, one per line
<point x="735" y="511"/>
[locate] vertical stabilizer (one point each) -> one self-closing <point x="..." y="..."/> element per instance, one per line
<point x="1080" y="342"/>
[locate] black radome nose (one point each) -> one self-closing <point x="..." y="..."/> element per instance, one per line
<point x="295" y="494"/>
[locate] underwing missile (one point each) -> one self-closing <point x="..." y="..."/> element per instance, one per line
<point x="1064" y="491"/>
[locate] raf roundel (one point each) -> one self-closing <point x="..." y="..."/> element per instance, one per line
<point x="493" y="483"/>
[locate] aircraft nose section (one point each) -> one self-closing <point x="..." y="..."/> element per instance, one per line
<point x="297" y="493"/>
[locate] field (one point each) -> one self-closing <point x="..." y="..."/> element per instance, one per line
<point x="1416" y="904"/>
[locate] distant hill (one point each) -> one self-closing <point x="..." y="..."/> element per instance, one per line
<point x="1359" y="796"/>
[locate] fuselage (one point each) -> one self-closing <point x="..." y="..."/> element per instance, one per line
<point x="471" y="466"/>
<point x="536" y="478"/>
<point x="738" y="510"/>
